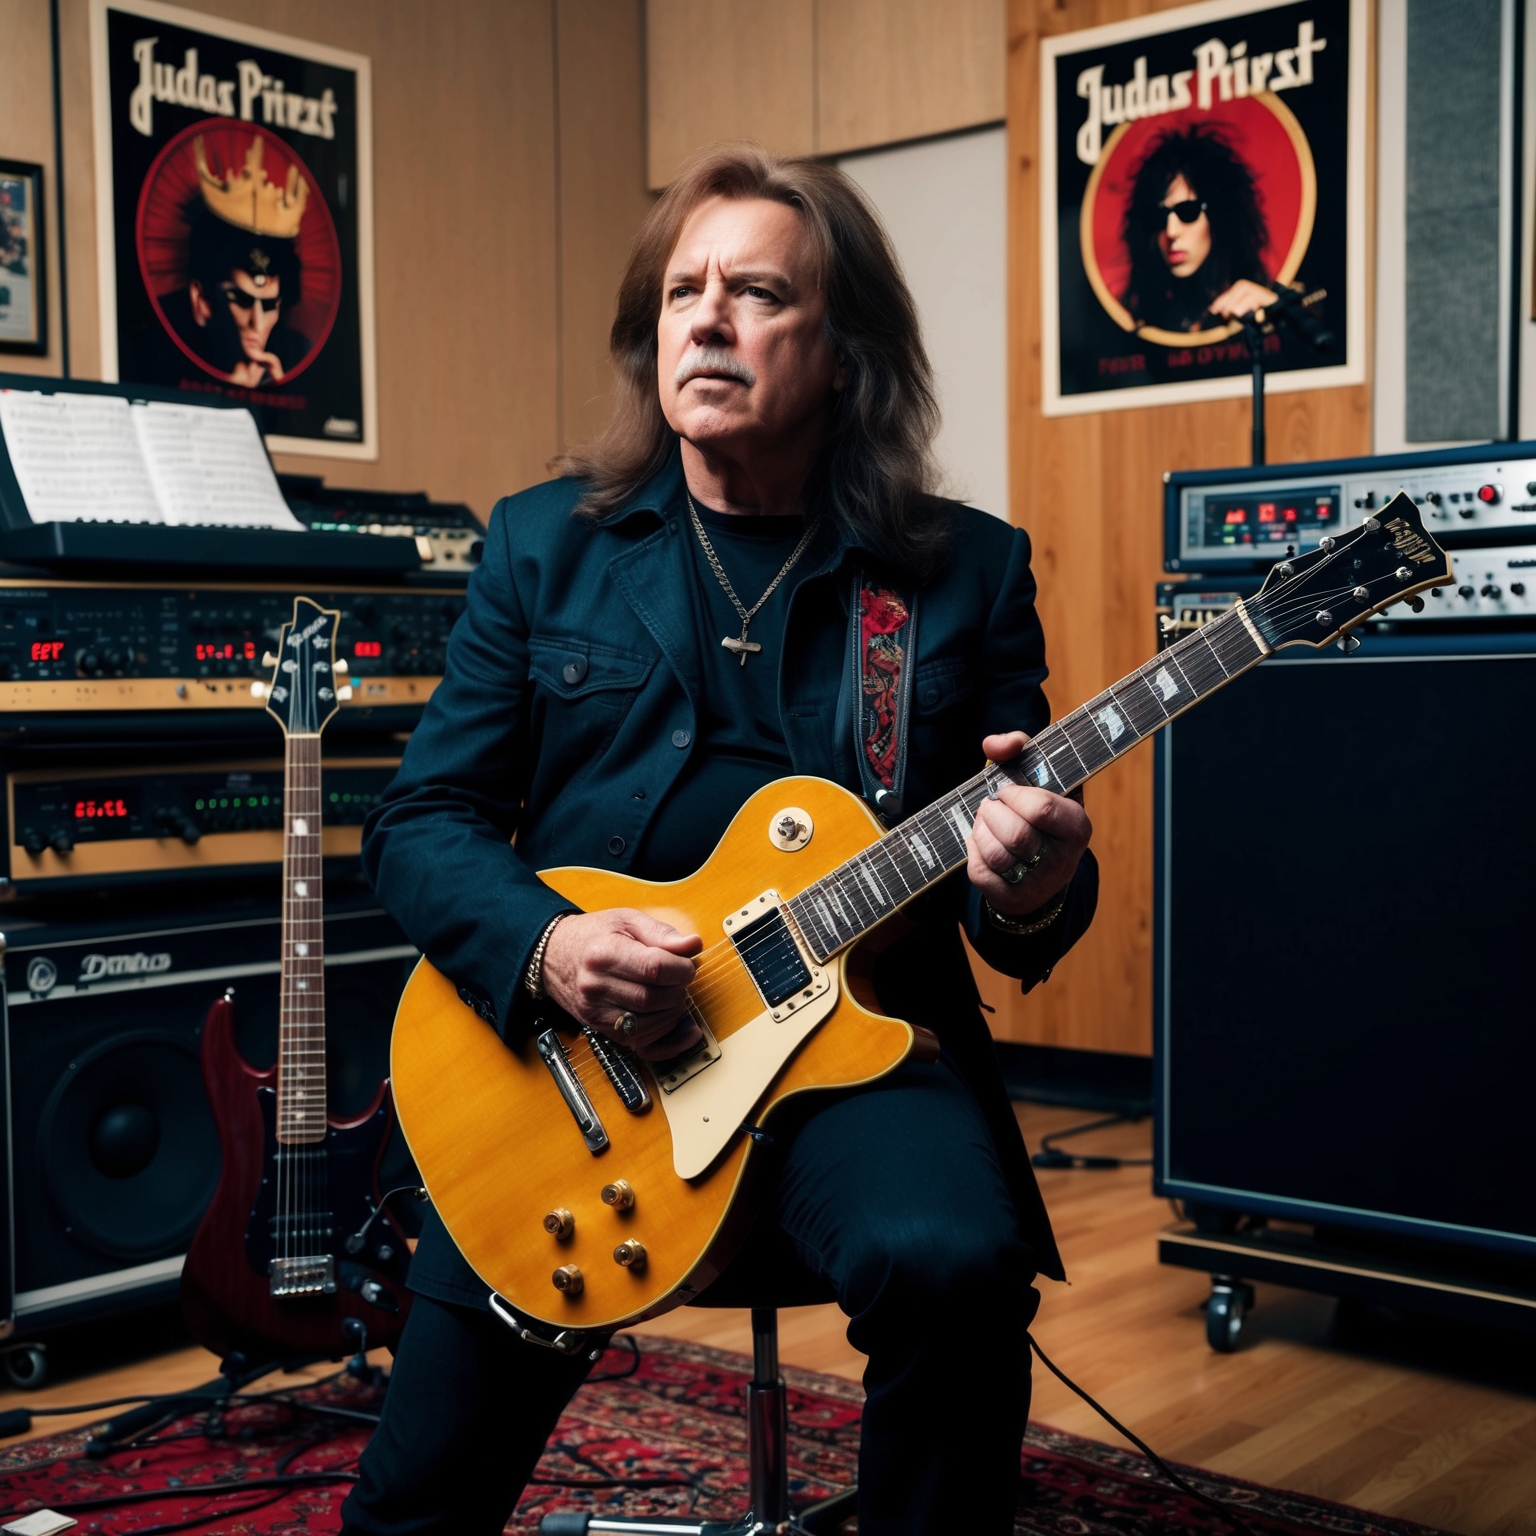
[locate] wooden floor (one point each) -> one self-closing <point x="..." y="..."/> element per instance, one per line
<point x="1435" y="1426"/>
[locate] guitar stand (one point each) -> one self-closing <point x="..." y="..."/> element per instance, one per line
<point x="767" y="1469"/>
<point x="235" y="1373"/>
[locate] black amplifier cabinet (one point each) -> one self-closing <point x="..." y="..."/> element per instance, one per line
<point x="1342" y="1032"/>
<point x="1241" y="521"/>
<point x="111" y="1149"/>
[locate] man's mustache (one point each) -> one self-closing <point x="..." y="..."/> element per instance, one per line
<point x="716" y="361"/>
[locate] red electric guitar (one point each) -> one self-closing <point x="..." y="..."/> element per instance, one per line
<point x="295" y="1254"/>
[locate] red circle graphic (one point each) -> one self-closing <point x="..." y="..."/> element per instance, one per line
<point x="173" y="189"/>
<point x="1262" y="131"/>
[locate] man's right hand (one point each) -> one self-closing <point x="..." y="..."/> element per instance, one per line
<point x="598" y="966"/>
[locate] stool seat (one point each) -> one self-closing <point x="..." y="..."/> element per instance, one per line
<point x="765" y="1275"/>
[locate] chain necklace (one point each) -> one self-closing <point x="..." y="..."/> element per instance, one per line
<point x="740" y="647"/>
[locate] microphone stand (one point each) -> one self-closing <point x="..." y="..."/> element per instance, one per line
<point x="1291" y="307"/>
<point x="1255" y="334"/>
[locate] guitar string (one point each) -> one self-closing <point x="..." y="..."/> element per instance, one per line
<point x="1276" y="612"/>
<point x="733" y="968"/>
<point x="699" y="994"/>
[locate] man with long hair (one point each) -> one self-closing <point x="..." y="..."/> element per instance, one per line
<point x="648" y="640"/>
<point x="1195" y="231"/>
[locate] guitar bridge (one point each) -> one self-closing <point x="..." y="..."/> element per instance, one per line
<point x="313" y="1275"/>
<point x="619" y="1066"/>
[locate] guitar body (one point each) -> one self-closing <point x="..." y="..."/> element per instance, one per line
<point x="516" y="1143"/>
<point x="225" y="1287"/>
<point x="497" y="1142"/>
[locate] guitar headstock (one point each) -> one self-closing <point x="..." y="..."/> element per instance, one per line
<point x="308" y="683"/>
<point x="1314" y="598"/>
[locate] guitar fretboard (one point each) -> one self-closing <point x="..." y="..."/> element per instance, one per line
<point x="852" y="899"/>
<point x="301" y="1028"/>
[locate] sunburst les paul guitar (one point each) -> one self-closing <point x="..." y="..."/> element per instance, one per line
<point x="589" y="1189"/>
<point x="294" y="1255"/>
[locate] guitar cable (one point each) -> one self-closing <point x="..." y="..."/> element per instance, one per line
<point x="1225" y="1511"/>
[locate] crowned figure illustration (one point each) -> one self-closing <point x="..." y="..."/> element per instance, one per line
<point x="244" y="278"/>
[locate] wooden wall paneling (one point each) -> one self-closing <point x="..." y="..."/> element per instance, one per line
<point x="722" y="71"/>
<point x="890" y="70"/>
<point x="603" y="198"/>
<point x="26" y="133"/>
<point x="1089" y="490"/>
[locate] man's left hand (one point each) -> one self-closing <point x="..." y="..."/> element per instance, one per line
<point x="1013" y="828"/>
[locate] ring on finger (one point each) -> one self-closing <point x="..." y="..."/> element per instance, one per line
<point x="1023" y="867"/>
<point x="625" y="1024"/>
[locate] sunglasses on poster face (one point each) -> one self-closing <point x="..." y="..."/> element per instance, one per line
<point x="1185" y="212"/>
<point x="243" y="300"/>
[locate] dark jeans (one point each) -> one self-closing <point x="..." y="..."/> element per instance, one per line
<point x="894" y="1196"/>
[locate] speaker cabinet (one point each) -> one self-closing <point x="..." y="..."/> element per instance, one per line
<point x="113" y="1149"/>
<point x="1343" y="985"/>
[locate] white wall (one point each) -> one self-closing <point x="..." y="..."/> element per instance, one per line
<point x="945" y="203"/>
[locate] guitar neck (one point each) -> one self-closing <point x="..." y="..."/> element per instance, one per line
<point x="301" y="1026"/>
<point x="844" y="905"/>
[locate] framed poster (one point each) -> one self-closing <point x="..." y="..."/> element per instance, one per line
<point x="1189" y="160"/>
<point x="23" y="259"/>
<point x="234" y="190"/>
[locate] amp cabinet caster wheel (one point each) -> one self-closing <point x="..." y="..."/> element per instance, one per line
<point x="1230" y="1302"/>
<point x="26" y="1366"/>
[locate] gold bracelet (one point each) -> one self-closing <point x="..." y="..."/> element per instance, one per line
<point x="1035" y="925"/>
<point x="533" y="977"/>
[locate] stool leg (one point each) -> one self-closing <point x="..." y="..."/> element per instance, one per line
<point x="767" y="1423"/>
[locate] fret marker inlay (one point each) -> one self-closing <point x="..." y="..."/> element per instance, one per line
<point x="300" y="827"/>
<point x="301" y="888"/>
<point x="1112" y="721"/>
<point x="1164" y="680"/>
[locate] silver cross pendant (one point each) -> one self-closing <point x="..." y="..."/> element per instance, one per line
<point x="740" y="647"/>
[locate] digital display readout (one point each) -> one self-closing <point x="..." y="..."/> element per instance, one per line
<point x="47" y="650"/>
<point x="368" y="648"/>
<point x="230" y="650"/>
<point x="105" y="809"/>
<point x="1300" y="518"/>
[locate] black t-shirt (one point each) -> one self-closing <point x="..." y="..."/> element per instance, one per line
<point x="740" y="744"/>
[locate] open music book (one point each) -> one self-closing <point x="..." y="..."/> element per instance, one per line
<point x="100" y="458"/>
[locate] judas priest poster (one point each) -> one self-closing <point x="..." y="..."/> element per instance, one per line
<point x="1189" y="159"/>
<point x="234" y="220"/>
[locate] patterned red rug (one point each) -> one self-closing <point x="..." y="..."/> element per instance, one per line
<point x="672" y="1420"/>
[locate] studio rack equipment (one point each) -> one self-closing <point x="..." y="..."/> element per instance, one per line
<point x="143" y="813"/>
<point x="1341" y="1041"/>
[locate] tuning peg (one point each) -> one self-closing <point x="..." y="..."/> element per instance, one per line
<point x="344" y="693"/>
<point x="268" y="659"/>
<point x="341" y="669"/>
<point x="1349" y="644"/>
<point x="1417" y="604"/>
<point x="260" y="690"/>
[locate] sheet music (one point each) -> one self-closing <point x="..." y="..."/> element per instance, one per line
<point x="77" y="457"/>
<point x="208" y="466"/>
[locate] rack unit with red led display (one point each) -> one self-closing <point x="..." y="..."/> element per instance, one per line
<point x="1238" y="522"/>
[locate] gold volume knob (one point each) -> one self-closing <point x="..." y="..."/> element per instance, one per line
<point x="619" y="1195"/>
<point x="560" y="1224"/>
<point x="567" y="1280"/>
<point x="630" y="1254"/>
